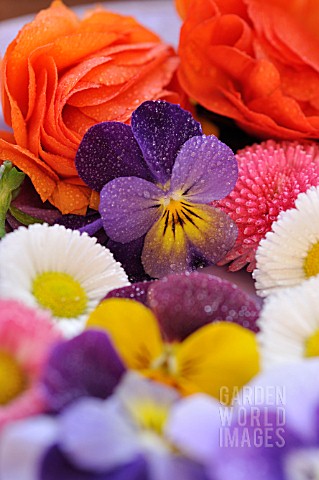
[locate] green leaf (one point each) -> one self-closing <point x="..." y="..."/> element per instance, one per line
<point x="10" y="182"/>
<point x="22" y="217"/>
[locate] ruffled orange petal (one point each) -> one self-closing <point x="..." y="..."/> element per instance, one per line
<point x="42" y="177"/>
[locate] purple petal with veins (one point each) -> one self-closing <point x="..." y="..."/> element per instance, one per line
<point x="183" y="303"/>
<point x="205" y="170"/>
<point x="109" y="150"/>
<point x="161" y="128"/>
<point x="129" y="206"/>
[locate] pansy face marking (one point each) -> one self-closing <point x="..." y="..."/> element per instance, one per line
<point x="157" y="182"/>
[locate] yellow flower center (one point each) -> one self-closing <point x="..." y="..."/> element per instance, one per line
<point x="311" y="263"/>
<point x="150" y="416"/>
<point x="12" y="378"/>
<point x="177" y="213"/>
<point x="312" y="345"/>
<point x="166" y="363"/>
<point x="60" y="293"/>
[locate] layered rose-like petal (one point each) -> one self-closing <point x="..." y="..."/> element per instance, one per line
<point x="87" y="365"/>
<point x="257" y="63"/>
<point x="183" y="233"/>
<point x="204" y="170"/>
<point x="62" y="75"/>
<point x="160" y="130"/>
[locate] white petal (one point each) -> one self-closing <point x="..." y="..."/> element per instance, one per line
<point x="28" y="252"/>
<point x="281" y="254"/>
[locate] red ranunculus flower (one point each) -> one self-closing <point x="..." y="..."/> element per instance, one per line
<point x="255" y="61"/>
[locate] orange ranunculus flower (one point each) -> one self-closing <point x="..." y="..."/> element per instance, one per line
<point x="256" y="61"/>
<point x="60" y="76"/>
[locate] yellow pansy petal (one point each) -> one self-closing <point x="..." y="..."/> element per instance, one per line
<point x="183" y="229"/>
<point x="132" y="328"/>
<point x="220" y="355"/>
<point x="209" y="230"/>
<point x="165" y="247"/>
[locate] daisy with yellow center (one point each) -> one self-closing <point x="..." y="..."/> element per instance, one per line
<point x="58" y="270"/>
<point x="290" y="252"/>
<point x="289" y="325"/>
<point x="221" y="354"/>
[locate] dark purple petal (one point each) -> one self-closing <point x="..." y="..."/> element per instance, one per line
<point x="88" y="223"/>
<point x="183" y="303"/>
<point x="29" y="202"/>
<point x="161" y="128"/>
<point x="55" y="466"/>
<point x="129" y="206"/>
<point x="316" y="422"/>
<point x="77" y="221"/>
<point x="86" y="365"/>
<point x="129" y="256"/>
<point x="108" y="150"/>
<point x="205" y="170"/>
<point x="136" y="291"/>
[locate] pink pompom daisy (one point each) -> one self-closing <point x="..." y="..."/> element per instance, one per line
<point x="26" y="336"/>
<point x="271" y="175"/>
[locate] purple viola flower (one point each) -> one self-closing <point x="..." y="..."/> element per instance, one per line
<point x="186" y="302"/>
<point x="278" y="437"/>
<point x="87" y="365"/>
<point x="157" y="179"/>
<point x="121" y="438"/>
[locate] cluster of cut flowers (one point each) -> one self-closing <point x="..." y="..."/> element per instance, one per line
<point x="119" y="358"/>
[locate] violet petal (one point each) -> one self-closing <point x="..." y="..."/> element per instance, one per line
<point x="259" y="451"/>
<point x="205" y="170"/>
<point x="129" y="206"/>
<point x="86" y="365"/>
<point x="108" y="150"/>
<point x="83" y="223"/>
<point x="56" y="467"/>
<point x="136" y="291"/>
<point x="183" y="303"/>
<point x="93" y="227"/>
<point x="161" y="128"/>
<point x="94" y="436"/>
<point x="77" y="221"/>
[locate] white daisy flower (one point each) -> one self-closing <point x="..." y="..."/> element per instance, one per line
<point x="290" y="253"/>
<point x="59" y="270"/>
<point x="289" y="325"/>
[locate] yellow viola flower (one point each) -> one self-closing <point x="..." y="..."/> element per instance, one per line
<point x="216" y="356"/>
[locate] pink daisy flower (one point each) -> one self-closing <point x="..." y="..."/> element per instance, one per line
<point x="271" y="175"/>
<point x="26" y="336"/>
